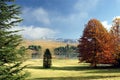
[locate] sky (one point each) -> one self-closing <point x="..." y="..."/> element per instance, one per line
<point x="63" y="18"/>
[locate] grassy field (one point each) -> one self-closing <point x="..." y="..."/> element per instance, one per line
<point x="70" y="70"/>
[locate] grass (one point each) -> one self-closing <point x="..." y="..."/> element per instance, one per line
<point x="70" y="70"/>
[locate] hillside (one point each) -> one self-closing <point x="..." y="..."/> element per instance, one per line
<point x="45" y="44"/>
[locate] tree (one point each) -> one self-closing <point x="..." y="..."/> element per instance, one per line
<point x="66" y="51"/>
<point x="36" y="49"/>
<point x="115" y="32"/>
<point x="59" y="51"/>
<point x="95" y="45"/>
<point x="10" y="55"/>
<point x="47" y="59"/>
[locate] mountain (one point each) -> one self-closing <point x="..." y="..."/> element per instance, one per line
<point x="60" y="40"/>
<point x="67" y="40"/>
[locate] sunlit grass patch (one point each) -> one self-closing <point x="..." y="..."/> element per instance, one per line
<point x="70" y="69"/>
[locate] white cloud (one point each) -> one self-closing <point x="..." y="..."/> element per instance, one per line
<point x="106" y="25"/>
<point x="73" y="18"/>
<point x="116" y="17"/>
<point x="33" y="32"/>
<point x="37" y="14"/>
<point x="81" y="8"/>
<point x="80" y="12"/>
<point x="41" y="15"/>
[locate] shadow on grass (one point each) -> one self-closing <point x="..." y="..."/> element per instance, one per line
<point x="72" y="68"/>
<point x="69" y="68"/>
<point x="103" y="69"/>
<point x="87" y="69"/>
<point x="107" y="70"/>
<point x="74" y="78"/>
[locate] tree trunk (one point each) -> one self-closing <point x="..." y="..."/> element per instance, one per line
<point x="94" y="65"/>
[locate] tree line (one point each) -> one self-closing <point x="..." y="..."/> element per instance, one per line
<point x="66" y="51"/>
<point x="36" y="51"/>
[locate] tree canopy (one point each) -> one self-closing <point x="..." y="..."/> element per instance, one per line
<point x="10" y="55"/>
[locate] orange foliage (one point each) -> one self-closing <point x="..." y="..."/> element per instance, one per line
<point x="95" y="45"/>
<point x="115" y="32"/>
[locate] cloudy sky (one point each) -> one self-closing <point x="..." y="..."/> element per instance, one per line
<point x="64" y="18"/>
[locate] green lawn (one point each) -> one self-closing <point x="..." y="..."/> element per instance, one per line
<point x="70" y="70"/>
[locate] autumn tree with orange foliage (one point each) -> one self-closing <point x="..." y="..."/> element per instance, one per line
<point x="115" y="32"/>
<point x="95" y="45"/>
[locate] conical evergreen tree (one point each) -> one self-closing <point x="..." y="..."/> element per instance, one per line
<point x="95" y="45"/>
<point x="10" y="55"/>
<point x="47" y="59"/>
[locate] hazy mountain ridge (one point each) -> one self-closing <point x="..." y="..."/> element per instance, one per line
<point x="60" y="40"/>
